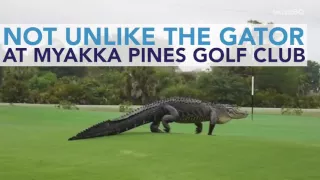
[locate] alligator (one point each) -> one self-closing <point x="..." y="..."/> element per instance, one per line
<point x="176" y="109"/>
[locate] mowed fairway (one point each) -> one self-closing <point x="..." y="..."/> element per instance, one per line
<point x="34" y="146"/>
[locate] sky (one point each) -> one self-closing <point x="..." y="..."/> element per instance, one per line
<point x="168" y="12"/>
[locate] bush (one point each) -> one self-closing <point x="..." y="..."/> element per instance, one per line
<point x="297" y="111"/>
<point x="67" y="105"/>
<point x="15" y="91"/>
<point x="285" y="111"/>
<point x="43" y="82"/>
<point x="271" y="98"/>
<point x="125" y="107"/>
<point x="181" y="90"/>
<point x="291" y="111"/>
<point x="312" y="101"/>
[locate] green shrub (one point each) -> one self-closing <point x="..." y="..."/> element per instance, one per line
<point x="312" y="101"/>
<point x="125" y="107"/>
<point x="291" y="111"/>
<point x="67" y="105"/>
<point x="181" y="90"/>
<point x="298" y="111"/>
<point x="286" y="111"/>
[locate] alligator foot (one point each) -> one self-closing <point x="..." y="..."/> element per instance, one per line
<point x="154" y="127"/>
<point x="199" y="127"/>
<point x="167" y="130"/>
<point x="211" y="128"/>
<point x="198" y="131"/>
<point x="211" y="135"/>
<point x="156" y="131"/>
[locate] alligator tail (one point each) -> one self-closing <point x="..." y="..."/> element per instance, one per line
<point x="108" y="128"/>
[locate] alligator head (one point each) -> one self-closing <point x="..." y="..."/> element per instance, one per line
<point x="228" y="112"/>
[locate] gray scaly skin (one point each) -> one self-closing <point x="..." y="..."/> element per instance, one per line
<point x="176" y="109"/>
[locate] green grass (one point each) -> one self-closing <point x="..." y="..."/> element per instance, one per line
<point x="34" y="146"/>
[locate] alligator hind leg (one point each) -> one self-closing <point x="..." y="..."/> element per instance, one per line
<point x="199" y="127"/>
<point x="154" y="127"/>
<point x="172" y="116"/>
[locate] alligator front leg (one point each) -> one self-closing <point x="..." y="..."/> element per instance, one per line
<point x="199" y="127"/>
<point x="213" y="121"/>
<point x="172" y="116"/>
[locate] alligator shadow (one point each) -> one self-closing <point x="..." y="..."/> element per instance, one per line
<point x="146" y="134"/>
<point x="126" y="134"/>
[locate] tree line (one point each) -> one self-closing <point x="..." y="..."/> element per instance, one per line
<point x="274" y="86"/>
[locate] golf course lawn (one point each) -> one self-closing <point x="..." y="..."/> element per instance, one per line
<point x="34" y="146"/>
